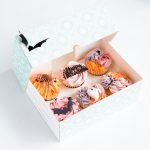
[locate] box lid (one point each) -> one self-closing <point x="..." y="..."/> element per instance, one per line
<point x="82" y="27"/>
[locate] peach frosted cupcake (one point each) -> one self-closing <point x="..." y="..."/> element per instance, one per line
<point x="115" y="81"/>
<point x="64" y="107"/>
<point x="97" y="62"/>
<point x="87" y="96"/>
<point x="73" y="74"/>
<point x="47" y="86"/>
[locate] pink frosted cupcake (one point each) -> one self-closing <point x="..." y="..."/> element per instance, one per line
<point x="98" y="62"/>
<point x="73" y="74"/>
<point x="64" y="107"/>
<point x="115" y="81"/>
<point x="87" y="96"/>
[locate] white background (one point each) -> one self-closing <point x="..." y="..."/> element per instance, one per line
<point x="21" y="126"/>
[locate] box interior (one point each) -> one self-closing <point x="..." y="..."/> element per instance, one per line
<point x="78" y="54"/>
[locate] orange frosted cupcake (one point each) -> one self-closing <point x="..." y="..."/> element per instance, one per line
<point x="47" y="86"/>
<point x="97" y="62"/>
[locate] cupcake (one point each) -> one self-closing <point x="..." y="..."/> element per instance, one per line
<point x="87" y="96"/>
<point x="73" y="74"/>
<point x="47" y="86"/>
<point x="97" y="62"/>
<point x="115" y="81"/>
<point x="64" y="107"/>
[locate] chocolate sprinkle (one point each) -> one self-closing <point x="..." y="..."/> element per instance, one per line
<point x="98" y="51"/>
<point x="43" y="78"/>
<point x="71" y="71"/>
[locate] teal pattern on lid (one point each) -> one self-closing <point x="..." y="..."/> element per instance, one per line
<point x="20" y="64"/>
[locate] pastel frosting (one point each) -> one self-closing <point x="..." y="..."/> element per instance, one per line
<point x="115" y="81"/>
<point x="99" y="57"/>
<point x="64" y="107"/>
<point x="89" y="95"/>
<point x="77" y="77"/>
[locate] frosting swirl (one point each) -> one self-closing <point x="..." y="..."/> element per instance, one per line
<point x="77" y="76"/>
<point x="99" y="57"/>
<point x="90" y="95"/>
<point x="47" y="85"/>
<point x="105" y="60"/>
<point x="105" y="81"/>
<point x="64" y="107"/>
<point x="119" y="84"/>
<point x="115" y="81"/>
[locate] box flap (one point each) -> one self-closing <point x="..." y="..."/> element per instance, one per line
<point x="20" y="64"/>
<point x="83" y="27"/>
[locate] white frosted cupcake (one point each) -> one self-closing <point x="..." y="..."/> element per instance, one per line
<point x="87" y="96"/>
<point x="73" y="74"/>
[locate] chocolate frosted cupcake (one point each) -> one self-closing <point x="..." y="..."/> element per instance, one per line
<point x="115" y="81"/>
<point x="87" y="96"/>
<point x="64" y="107"/>
<point x="73" y="74"/>
<point x="97" y="62"/>
<point x="47" y="86"/>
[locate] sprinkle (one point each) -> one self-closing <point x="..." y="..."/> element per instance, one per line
<point x="71" y="71"/>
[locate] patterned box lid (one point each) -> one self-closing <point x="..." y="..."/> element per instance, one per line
<point x="82" y="27"/>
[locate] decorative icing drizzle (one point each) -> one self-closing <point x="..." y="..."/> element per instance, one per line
<point x="71" y="71"/>
<point x="64" y="110"/>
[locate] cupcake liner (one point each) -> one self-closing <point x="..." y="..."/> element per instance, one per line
<point x="108" y="92"/>
<point x="52" y="99"/>
<point x="73" y="86"/>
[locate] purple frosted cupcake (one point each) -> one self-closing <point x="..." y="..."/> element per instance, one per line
<point x="87" y="96"/>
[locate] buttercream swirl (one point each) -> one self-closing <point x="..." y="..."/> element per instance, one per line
<point x="75" y="80"/>
<point x="47" y="85"/>
<point x="99" y="57"/>
<point x="115" y="81"/>
<point x="64" y="107"/>
<point x="90" y="95"/>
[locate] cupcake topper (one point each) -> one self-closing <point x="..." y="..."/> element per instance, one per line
<point x="25" y="42"/>
<point x="71" y="71"/>
<point x="65" y="110"/>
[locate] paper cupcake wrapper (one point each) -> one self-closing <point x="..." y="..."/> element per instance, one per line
<point x="73" y="86"/>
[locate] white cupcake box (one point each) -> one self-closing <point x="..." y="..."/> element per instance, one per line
<point x="91" y="27"/>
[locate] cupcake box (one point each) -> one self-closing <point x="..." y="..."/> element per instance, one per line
<point x="90" y="27"/>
